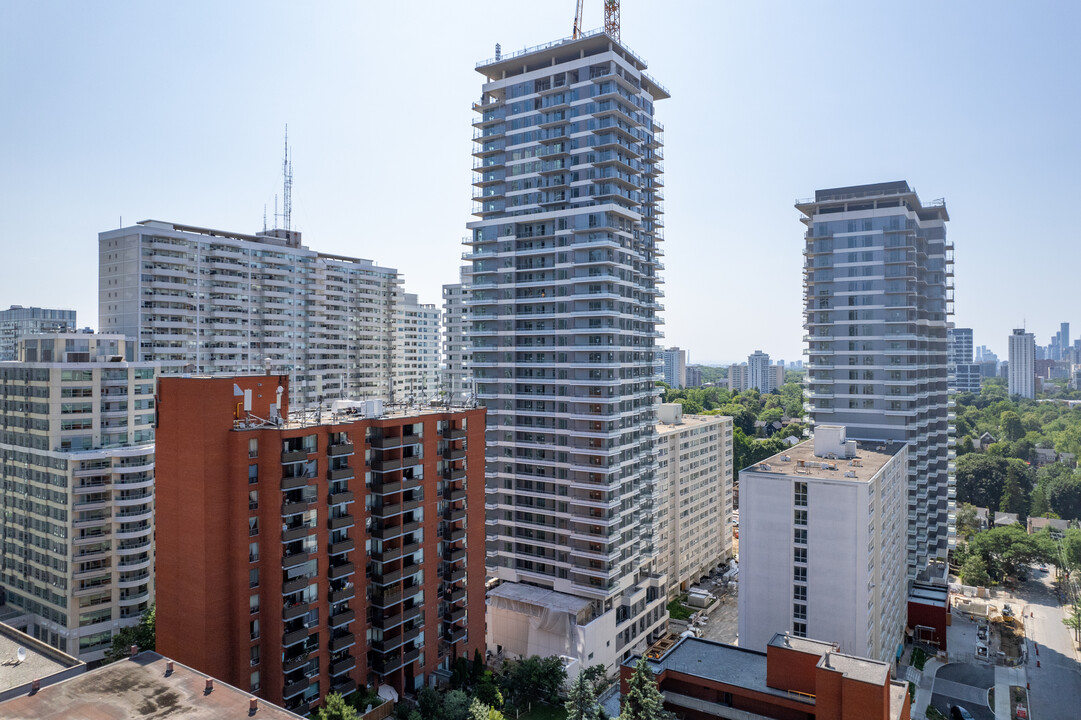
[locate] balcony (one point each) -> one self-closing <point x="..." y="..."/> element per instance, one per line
<point x="294" y="689"/>
<point x="386" y="578"/>
<point x="341" y="547"/>
<point x="342" y="641"/>
<point x="386" y="597"/>
<point x="453" y="454"/>
<point x="340" y="449"/>
<point x="455" y="634"/>
<point x="385" y="443"/>
<point x="342" y="521"/>
<point x="343" y="618"/>
<point x="455" y="615"/>
<point x="340" y="474"/>
<point x="453" y="473"/>
<point x="386" y="465"/>
<point x="296" y="533"/>
<point x="293" y="483"/>
<point x="340" y="497"/>
<point x="292" y="508"/>
<point x="389" y="532"/>
<point x="454" y="495"/>
<point x="410" y="656"/>
<point x="346" y="593"/>
<point x="454" y="556"/>
<point x="295" y="663"/>
<point x="343" y="686"/>
<point x="295" y="610"/>
<point x="456" y="595"/>
<point x="295" y="585"/>
<point x="454" y="514"/>
<point x="294" y="637"/>
<point x="339" y="571"/>
<point x="454" y="535"/>
<point x="294" y="559"/>
<point x="454" y="575"/>
<point x="343" y="665"/>
<point x="298" y="456"/>
<point x="453" y="433"/>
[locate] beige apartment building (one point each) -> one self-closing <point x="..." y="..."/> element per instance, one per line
<point x="693" y="495"/>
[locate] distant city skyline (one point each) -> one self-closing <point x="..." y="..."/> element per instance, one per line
<point x="107" y="119"/>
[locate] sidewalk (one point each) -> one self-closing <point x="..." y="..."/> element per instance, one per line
<point x="924" y="688"/>
<point x="1004" y="678"/>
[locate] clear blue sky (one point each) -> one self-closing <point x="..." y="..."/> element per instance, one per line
<point x="175" y="111"/>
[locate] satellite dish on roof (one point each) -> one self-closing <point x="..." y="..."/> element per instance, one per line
<point x="21" y="654"/>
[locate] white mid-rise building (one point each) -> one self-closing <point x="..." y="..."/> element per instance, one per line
<point x="457" y="378"/>
<point x="1021" y="373"/>
<point x="17" y="321"/>
<point x="564" y="302"/>
<point x="822" y="532"/>
<point x="209" y="301"/>
<point x="77" y="487"/>
<point x="693" y="495"/>
<point x="757" y="372"/>
<point x="416" y="357"/>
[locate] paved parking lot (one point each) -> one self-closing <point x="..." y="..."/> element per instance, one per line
<point x="964" y="684"/>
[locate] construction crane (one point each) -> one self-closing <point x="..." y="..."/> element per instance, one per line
<point x="611" y="19"/>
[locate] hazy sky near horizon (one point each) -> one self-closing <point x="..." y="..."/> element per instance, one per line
<point x="176" y="111"/>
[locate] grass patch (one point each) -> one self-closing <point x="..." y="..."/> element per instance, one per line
<point x="677" y="610"/>
<point x="543" y="711"/>
<point x="919" y="659"/>
<point x="912" y="691"/>
<point x="1018" y="696"/>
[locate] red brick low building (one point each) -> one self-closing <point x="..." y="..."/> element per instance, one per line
<point x="296" y="556"/>
<point x="795" y="679"/>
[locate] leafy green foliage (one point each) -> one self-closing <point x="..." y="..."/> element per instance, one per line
<point x="1008" y="551"/>
<point x="532" y="679"/>
<point x="336" y="708"/>
<point x="480" y="711"/>
<point x="141" y="634"/>
<point x="974" y="572"/>
<point x="581" y="701"/>
<point x="643" y="701"/>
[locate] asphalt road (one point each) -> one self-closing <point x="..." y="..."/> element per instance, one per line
<point x="1055" y="686"/>
<point x="964" y="684"/>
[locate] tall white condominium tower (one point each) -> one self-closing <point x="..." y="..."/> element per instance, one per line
<point x="77" y="486"/>
<point x="457" y="377"/>
<point x="963" y="374"/>
<point x="209" y="301"/>
<point x="822" y="545"/>
<point x="674" y="364"/>
<point x="564" y="312"/>
<point x="693" y="525"/>
<point x="416" y="357"/>
<point x="1022" y="369"/>
<point x="18" y="320"/>
<point x="878" y="280"/>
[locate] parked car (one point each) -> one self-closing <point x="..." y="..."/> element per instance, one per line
<point x="959" y="713"/>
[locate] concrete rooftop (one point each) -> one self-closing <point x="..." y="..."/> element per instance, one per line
<point x="801" y="461"/>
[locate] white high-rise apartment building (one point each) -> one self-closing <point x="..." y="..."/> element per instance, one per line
<point x="18" y="321"/>
<point x="1021" y="376"/>
<point x="416" y="357"/>
<point x="457" y="377"/>
<point x="878" y="293"/>
<point x="959" y="345"/>
<point x="963" y="373"/>
<point x="822" y="531"/>
<point x="674" y="367"/>
<point x="564" y="302"/>
<point x="756" y="373"/>
<point x="209" y="301"/>
<point x="693" y="527"/>
<point x="77" y="487"/>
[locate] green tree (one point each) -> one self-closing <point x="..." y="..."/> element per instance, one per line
<point x="690" y="407"/>
<point x="478" y="665"/>
<point x="967" y="522"/>
<point x="141" y="634"/>
<point x="1012" y="500"/>
<point x="581" y="702"/>
<point x="487" y="691"/>
<point x="530" y="679"/>
<point x="336" y="708"/>
<point x="643" y="700"/>
<point x="1010" y="425"/>
<point x="430" y="703"/>
<point x="980" y="479"/>
<point x="456" y="705"/>
<point x="480" y="711"/>
<point x="974" y="572"/>
<point x="1039" y="507"/>
<point x="1064" y="496"/>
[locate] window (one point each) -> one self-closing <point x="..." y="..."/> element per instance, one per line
<point x="799" y="573"/>
<point x="253" y="628"/>
<point x="253" y="604"/>
<point x="799" y="629"/>
<point x="800" y="517"/>
<point x="799" y="537"/>
<point x="799" y="554"/>
<point x="253" y="474"/>
<point x="799" y="592"/>
<point x="253" y="577"/>
<point x="253" y="447"/>
<point x="801" y="494"/>
<point x="253" y="552"/>
<point x="255" y="681"/>
<point x="799" y="611"/>
<point x="253" y="526"/>
<point x="254" y="655"/>
<point x="253" y="499"/>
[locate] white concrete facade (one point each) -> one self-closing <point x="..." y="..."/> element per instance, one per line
<point x="17" y="321"/>
<point x="1021" y="377"/>
<point x="674" y="367"/>
<point x="822" y="550"/>
<point x="416" y="356"/>
<point x="210" y="301"/>
<point x="564" y="303"/>
<point x="693" y="529"/>
<point x="77" y="482"/>
<point x="457" y="378"/>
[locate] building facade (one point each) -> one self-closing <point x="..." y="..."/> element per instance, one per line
<point x="565" y="256"/>
<point x="674" y="367"/>
<point x="416" y="357"/>
<point x="958" y="345"/>
<point x="756" y="373"/>
<point x="1021" y="371"/>
<point x="822" y="545"/>
<point x="694" y="376"/>
<point x="300" y="554"/>
<point x="457" y="377"/>
<point x="77" y="470"/>
<point x="962" y="372"/>
<point x="18" y="320"/>
<point x="694" y="494"/>
<point x="878" y="294"/>
<point x="211" y="302"/>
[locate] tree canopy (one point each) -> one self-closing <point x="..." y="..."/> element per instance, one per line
<point x="141" y="634"/>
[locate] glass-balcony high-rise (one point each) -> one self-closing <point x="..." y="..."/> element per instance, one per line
<point x="563" y="308"/>
<point x="878" y="279"/>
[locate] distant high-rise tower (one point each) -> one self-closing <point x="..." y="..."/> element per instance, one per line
<point x="457" y="378"/>
<point x="964" y="375"/>
<point x="1022" y="369"/>
<point x="674" y="364"/>
<point x="416" y="351"/>
<point x="878" y="298"/>
<point x="564" y="302"/>
<point x="18" y="321"/>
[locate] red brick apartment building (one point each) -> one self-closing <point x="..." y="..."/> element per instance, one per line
<point x="305" y="555"/>
<point x="795" y="679"/>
